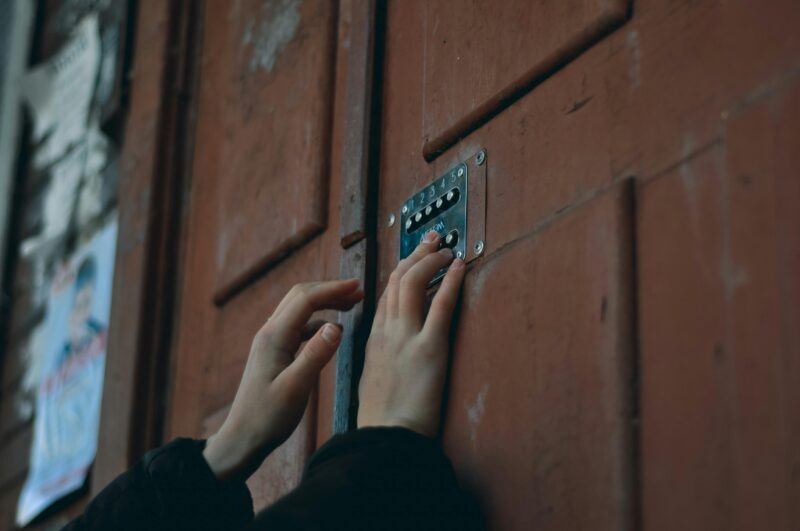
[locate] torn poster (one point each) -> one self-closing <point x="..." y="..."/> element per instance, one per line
<point x="73" y="347"/>
<point x="59" y="93"/>
<point x="72" y="180"/>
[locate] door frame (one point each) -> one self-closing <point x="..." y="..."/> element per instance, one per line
<point x="154" y="173"/>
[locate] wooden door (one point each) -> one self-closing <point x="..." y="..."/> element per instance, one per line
<point x="263" y="205"/>
<point x="626" y="353"/>
<point x="606" y="361"/>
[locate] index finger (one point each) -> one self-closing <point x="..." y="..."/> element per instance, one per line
<point x="304" y="299"/>
<point x="444" y="302"/>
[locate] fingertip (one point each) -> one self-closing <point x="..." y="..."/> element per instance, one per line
<point x="455" y="274"/>
<point x="457" y="264"/>
<point x="352" y="282"/>
<point x="431" y="236"/>
<point x="332" y="334"/>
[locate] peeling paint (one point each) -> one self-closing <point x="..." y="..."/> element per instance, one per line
<point x="59" y="201"/>
<point x="25" y="398"/>
<point x="90" y="198"/>
<point x="278" y="24"/>
<point x="475" y="413"/>
<point x="733" y="277"/>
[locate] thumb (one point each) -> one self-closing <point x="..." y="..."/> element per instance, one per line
<point x="301" y="375"/>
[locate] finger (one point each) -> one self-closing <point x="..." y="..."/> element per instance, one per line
<point x="300" y="377"/>
<point x="286" y="327"/>
<point x="311" y="328"/>
<point x="415" y="282"/>
<point x="429" y="244"/>
<point x="347" y="301"/>
<point x="289" y="295"/>
<point x="444" y="302"/>
<point x="351" y="283"/>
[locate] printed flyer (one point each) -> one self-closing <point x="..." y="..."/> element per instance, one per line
<point x="68" y="398"/>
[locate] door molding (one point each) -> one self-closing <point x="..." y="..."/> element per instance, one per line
<point x="153" y="171"/>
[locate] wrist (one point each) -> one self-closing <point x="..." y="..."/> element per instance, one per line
<point x="426" y="429"/>
<point x="231" y="456"/>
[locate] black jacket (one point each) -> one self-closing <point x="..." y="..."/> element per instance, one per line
<point x="375" y="478"/>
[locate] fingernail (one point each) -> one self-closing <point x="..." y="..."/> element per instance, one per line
<point x="331" y="334"/>
<point x="458" y="263"/>
<point x="446" y="251"/>
<point x="431" y="236"/>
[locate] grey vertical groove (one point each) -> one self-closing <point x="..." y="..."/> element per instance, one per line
<point x="357" y="124"/>
<point x="348" y="360"/>
<point x="356" y="234"/>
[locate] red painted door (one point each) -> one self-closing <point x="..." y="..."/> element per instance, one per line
<point x="627" y="350"/>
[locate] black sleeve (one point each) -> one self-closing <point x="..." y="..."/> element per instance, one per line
<point x="170" y="488"/>
<point x="373" y="479"/>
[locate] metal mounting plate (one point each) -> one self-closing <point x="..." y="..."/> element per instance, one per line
<point x="455" y="201"/>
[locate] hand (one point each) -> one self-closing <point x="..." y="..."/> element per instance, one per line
<point x="406" y="359"/>
<point x="275" y="387"/>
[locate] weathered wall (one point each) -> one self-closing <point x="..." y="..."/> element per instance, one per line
<point x="51" y="212"/>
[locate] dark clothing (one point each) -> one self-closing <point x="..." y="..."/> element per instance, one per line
<point x="374" y="478"/>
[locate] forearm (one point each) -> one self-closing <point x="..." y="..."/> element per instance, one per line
<point x="374" y="478"/>
<point x="170" y="488"/>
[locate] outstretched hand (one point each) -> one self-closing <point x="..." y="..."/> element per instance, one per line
<point x="406" y="359"/>
<point x="276" y="384"/>
<point x="404" y="369"/>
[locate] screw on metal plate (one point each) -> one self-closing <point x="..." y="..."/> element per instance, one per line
<point x="391" y="219"/>
<point x="405" y="209"/>
<point x="459" y="254"/>
<point x="480" y="158"/>
<point x="460" y="172"/>
<point x="479" y="247"/>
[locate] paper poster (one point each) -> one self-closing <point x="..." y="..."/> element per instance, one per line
<point x="74" y="178"/>
<point x="59" y="93"/>
<point x="73" y="347"/>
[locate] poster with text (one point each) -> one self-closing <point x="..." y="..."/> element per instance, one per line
<point x="73" y="349"/>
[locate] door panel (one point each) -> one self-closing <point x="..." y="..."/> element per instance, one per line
<point x="542" y="158"/>
<point x="538" y="414"/>
<point x="265" y="105"/>
<point x="720" y="319"/>
<point x="662" y="99"/>
<point x="261" y="187"/>
<point x="539" y="409"/>
<point x="480" y="54"/>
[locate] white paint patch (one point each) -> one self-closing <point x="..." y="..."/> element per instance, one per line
<point x="734" y="276"/>
<point x="90" y="198"/>
<point x="279" y="20"/>
<point x="635" y="67"/>
<point x="475" y="413"/>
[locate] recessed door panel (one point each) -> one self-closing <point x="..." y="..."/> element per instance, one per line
<point x="259" y="206"/>
<point x="263" y="129"/>
<point x="539" y="411"/>
<point x="480" y="54"/>
<point x="719" y="252"/>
